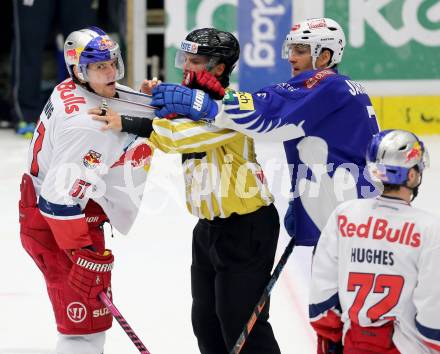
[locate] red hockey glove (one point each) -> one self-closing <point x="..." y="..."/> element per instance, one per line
<point x="326" y="346"/>
<point x="91" y="274"/>
<point x="205" y="81"/>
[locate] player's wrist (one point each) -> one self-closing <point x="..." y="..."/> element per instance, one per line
<point x="212" y="110"/>
<point x="137" y="125"/>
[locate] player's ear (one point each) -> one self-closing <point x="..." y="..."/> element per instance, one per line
<point x="324" y="59"/>
<point x="75" y="72"/>
<point x="218" y="70"/>
<point x="413" y="177"/>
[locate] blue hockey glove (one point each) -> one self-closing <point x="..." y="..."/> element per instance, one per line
<point x="193" y="104"/>
<point x="290" y="223"/>
<point x="289" y="220"/>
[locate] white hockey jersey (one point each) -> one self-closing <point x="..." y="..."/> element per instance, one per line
<point x="72" y="160"/>
<point x="376" y="261"/>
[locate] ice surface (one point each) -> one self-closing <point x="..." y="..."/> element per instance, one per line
<point x="151" y="283"/>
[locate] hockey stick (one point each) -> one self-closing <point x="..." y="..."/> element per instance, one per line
<point x="125" y="326"/>
<point x="263" y="299"/>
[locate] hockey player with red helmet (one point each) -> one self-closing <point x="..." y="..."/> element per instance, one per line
<point x="72" y="186"/>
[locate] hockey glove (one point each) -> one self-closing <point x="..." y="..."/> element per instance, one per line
<point x="290" y="223"/>
<point x="289" y="220"/>
<point x="326" y="346"/>
<point x="91" y="274"/>
<point x="205" y="81"/>
<point x="193" y="104"/>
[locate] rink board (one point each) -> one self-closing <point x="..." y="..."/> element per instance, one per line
<point x="419" y="114"/>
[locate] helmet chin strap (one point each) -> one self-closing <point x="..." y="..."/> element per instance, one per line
<point x="314" y="58"/>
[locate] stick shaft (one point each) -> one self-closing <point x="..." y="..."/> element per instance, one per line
<point x="263" y="299"/>
<point x="125" y="326"/>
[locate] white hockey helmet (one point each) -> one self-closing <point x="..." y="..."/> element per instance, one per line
<point x="319" y="34"/>
<point x="91" y="45"/>
<point x="392" y="153"/>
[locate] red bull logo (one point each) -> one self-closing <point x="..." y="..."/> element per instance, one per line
<point x="71" y="53"/>
<point x="415" y="153"/>
<point x="106" y="43"/>
<point x="92" y="159"/>
<point x="137" y="156"/>
<point x="75" y="53"/>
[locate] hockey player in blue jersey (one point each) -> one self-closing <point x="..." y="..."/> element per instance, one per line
<point x="324" y="119"/>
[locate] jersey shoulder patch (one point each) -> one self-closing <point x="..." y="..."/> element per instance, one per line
<point x="319" y="76"/>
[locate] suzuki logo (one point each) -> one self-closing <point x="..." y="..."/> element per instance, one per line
<point x="76" y="312"/>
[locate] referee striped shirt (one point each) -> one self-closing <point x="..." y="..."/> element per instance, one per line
<point x="222" y="175"/>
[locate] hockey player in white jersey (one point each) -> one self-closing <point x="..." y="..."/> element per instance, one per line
<point x="79" y="177"/>
<point x="375" y="270"/>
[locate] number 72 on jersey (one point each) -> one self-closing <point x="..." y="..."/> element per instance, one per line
<point x="369" y="283"/>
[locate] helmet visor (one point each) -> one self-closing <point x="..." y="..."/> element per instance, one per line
<point x="103" y="72"/>
<point x="285" y="50"/>
<point x="290" y="49"/>
<point x="188" y="58"/>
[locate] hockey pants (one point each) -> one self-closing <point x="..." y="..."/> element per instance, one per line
<point x="232" y="261"/>
<point x="370" y="340"/>
<point x="73" y="316"/>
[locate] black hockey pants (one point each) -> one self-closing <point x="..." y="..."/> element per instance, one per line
<point x="232" y="261"/>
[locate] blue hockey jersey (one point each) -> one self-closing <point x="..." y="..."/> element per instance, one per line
<point x="326" y="121"/>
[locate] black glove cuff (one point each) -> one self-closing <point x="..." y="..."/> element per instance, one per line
<point x="136" y="125"/>
<point x="89" y="247"/>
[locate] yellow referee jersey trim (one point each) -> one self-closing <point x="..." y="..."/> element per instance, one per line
<point x="221" y="173"/>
